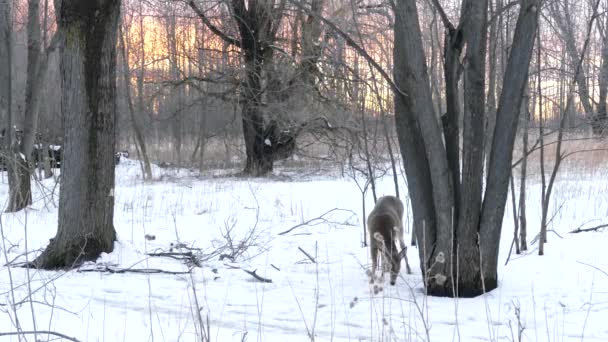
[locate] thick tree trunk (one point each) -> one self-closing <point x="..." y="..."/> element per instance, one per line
<point x="424" y="153"/>
<point x="258" y="162"/>
<point x="469" y="208"/>
<point x="458" y="258"/>
<point x="86" y="204"/>
<point x="257" y="29"/>
<point x="501" y="156"/>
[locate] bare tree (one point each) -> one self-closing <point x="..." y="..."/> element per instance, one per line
<point x="561" y="13"/>
<point x="20" y="193"/>
<point x="133" y="113"/>
<point x="458" y="232"/>
<point x="6" y="116"/>
<point x="600" y="120"/>
<point x="258" y="22"/>
<point x="88" y="63"/>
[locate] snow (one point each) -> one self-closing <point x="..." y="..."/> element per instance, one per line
<point x="562" y="296"/>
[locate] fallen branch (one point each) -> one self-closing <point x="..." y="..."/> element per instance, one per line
<point x="308" y="255"/>
<point x="251" y="273"/>
<point x="181" y="256"/>
<point x="256" y="276"/>
<point x="43" y="332"/>
<point x="130" y="270"/>
<point x="535" y="239"/>
<point x="592" y="229"/>
<point x="315" y="221"/>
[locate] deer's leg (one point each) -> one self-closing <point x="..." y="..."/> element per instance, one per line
<point x="374" y="254"/>
<point x="403" y="251"/>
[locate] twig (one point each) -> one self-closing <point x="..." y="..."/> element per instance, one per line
<point x="592" y="229"/>
<point x="595" y="267"/>
<point x="548" y="230"/>
<point x="41" y="332"/>
<point x="256" y="276"/>
<point x="308" y="255"/>
<point x="320" y="218"/>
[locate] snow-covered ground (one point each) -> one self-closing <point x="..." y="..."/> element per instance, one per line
<point x="562" y="296"/>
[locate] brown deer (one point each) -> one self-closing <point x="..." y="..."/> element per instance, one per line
<point x="385" y="226"/>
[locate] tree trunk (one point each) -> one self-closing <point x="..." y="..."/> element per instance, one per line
<point x="493" y="68"/>
<point x="257" y="29"/>
<point x="86" y="203"/>
<point x="176" y="95"/>
<point x="501" y="157"/>
<point x="469" y="208"/>
<point x="523" y="222"/>
<point x="6" y="113"/>
<point x="258" y="163"/>
<point x="599" y="123"/>
<point x="141" y="108"/>
<point x="458" y="234"/>
<point x="424" y="154"/>
<point x="21" y="195"/>
<point x="139" y="137"/>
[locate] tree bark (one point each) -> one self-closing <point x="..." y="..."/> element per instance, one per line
<point x="599" y="123"/>
<point x="5" y="75"/>
<point x="424" y="153"/>
<point x="469" y="208"/>
<point x="523" y="221"/>
<point x="493" y="68"/>
<point x="460" y="233"/>
<point x="256" y="29"/>
<point x="88" y="76"/>
<point x="6" y="114"/>
<point x="21" y="194"/>
<point x="501" y="156"/>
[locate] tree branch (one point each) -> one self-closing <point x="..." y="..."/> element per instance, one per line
<point x="42" y="332"/>
<point x="320" y="218"/>
<point x="307" y="255"/>
<point x="592" y="229"/>
<point x="444" y="17"/>
<point x="351" y="42"/>
<point x="213" y="28"/>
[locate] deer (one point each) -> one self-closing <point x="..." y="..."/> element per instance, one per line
<point x="384" y="225"/>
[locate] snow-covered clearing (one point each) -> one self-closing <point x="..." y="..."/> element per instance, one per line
<point x="562" y="296"/>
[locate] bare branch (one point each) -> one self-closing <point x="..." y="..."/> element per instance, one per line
<point x="314" y="220"/>
<point x="444" y="17"/>
<point x="351" y="42"/>
<point x="228" y="39"/>
<point x="592" y="229"/>
<point x="41" y="332"/>
<point x="307" y="255"/>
